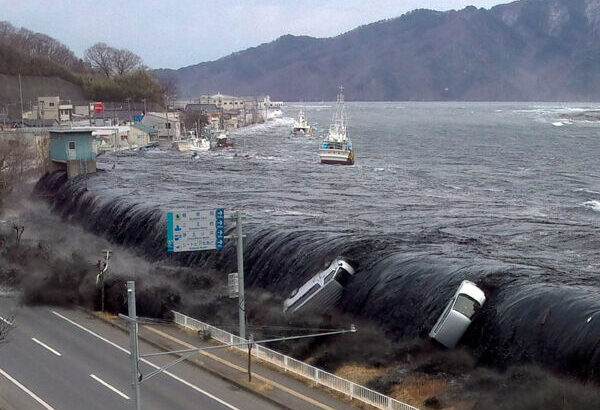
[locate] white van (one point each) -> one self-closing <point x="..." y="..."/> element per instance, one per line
<point x="458" y="314"/>
<point x="322" y="291"/>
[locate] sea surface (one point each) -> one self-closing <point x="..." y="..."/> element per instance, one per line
<point x="504" y="194"/>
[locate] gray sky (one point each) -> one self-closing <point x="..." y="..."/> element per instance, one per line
<point x="173" y="34"/>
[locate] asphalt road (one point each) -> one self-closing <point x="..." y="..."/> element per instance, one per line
<point x="64" y="359"/>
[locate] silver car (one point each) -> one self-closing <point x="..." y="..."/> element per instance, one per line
<point x="458" y="314"/>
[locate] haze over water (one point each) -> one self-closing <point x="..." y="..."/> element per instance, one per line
<point x="491" y="192"/>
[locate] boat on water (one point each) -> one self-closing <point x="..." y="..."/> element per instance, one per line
<point x="301" y="126"/>
<point x="337" y="148"/>
<point x="322" y="291"/>
<point x="192" y="143"/>
<point x="222" y="140"/>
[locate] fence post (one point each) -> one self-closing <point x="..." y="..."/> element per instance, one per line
<point x="351" y="390"/>
<point x="285" y="363"/>
<point x="316" y="376"/>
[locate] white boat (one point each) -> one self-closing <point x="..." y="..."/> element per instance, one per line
<point x="301" y="126"/>
<point x="222" y="140"/>
<point x="336" y="147"/>
<point x="192" y="143"/>
<point x="272" y="114"/>
<point x="322" y="291"/>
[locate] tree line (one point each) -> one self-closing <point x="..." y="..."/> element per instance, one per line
<point x="105" y="73"/>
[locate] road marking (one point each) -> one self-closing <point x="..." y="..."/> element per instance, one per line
<point x="46" y="346"/>
<point x="6" y="321"/>
<point x="234" y="366"/>
<point x="26" y="390"/>
<point x="99" y="380"/>
<point x="192" y="386"/>
<point x="90" y="332"/>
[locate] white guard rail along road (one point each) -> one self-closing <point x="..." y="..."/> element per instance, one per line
<point x="289" y="364"/>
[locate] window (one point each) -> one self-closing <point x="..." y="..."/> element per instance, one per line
<point x="71" y="144"/>
<point x="307" y="295"/>
<point x="51" y="104"/>
<point x="466" y="305"/>
<point x="330" y="275"/>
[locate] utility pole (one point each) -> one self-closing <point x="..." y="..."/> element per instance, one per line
<point x="103" y="266"/>
<point x="250" y="345"/>
<point x="144" y="100"/>
<point x="133" y="345"/>
<point x="240" y="263"/>
<point x="21" y="93"/>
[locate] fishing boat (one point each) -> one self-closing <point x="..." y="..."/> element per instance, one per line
<point x="222" y="140"/>
<point x="301" y="126"/>
<point x="192" y="143"/>
<point x="337" y="148"/>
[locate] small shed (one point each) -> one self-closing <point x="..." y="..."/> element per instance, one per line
<point x="73" y="150"/>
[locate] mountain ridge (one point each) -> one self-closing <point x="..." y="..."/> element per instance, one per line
<point x="524" y="50"/>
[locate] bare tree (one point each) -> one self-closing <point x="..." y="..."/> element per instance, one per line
<point x="17" y="155"/>
<point x="101" y="57"/>
<point x="124" y="61"/>
<point x="168" y="87"/>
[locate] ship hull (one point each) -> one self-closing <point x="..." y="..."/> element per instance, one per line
<point x="336" y="157"/>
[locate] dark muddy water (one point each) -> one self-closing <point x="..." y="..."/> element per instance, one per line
<point x="504" y="194"/>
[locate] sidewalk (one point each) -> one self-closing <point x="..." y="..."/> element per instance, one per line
<point x="277" y="386"/>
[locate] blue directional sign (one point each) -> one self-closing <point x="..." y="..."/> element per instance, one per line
<point x="195" y="230"/>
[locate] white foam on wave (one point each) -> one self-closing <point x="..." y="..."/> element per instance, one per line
<point x="587" y="190"/>
<point x="558" y="124"/>
<point x="593" y="205"/>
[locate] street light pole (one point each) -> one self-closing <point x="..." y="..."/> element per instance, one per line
<point x="133" y="345"/>
<point x="240" y="263"/>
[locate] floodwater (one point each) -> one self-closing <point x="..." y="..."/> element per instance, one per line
<point x="504" y="194"/>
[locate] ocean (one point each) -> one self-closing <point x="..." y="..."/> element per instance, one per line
<point x="504" y="194"/>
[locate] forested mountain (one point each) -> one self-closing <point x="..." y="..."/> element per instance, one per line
<point x="526" y="50"/>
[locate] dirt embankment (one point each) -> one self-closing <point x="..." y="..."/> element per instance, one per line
<point x="33" y="87"/>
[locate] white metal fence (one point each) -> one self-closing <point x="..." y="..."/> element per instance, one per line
<point x="289" y="364"/>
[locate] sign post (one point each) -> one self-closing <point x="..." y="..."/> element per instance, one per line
<point x="240" y="263"/>
<point x="205" y="230"/>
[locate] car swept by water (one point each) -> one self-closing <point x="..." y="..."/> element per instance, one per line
<point x="457" y="316"/>
<point x="322" y="291"/>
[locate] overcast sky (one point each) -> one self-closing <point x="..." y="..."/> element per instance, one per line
<point x="173" y="34"/>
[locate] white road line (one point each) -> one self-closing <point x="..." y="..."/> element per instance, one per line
<point x="6" y="321"/>
<point x="46" y="346"/>
<point x="99" y="380"/>
<point x="90" y="332"/>
<point x="26" y="390"/>
<point x="185" y="382"/>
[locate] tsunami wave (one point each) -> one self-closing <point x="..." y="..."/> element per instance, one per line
<point x="398" y="284"/>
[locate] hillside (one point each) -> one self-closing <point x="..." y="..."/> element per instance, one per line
<point x="48" y="67"/>
<point x="526" y="50"/>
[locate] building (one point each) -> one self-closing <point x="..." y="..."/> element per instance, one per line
<point x="168" y="126"/>
<point x="141" y="134"/>
<point x="73" y="151"/>
<point x="51" y="108"/>
<point x="202" y="108"/>
<point x="227" y="102"/>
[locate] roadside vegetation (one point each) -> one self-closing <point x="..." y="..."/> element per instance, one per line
<point x="105" y="73"/>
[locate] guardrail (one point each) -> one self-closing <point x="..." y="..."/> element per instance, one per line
<point x="289" y="364"/>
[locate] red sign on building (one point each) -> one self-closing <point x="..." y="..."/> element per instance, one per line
<point x="98" y="107"/>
